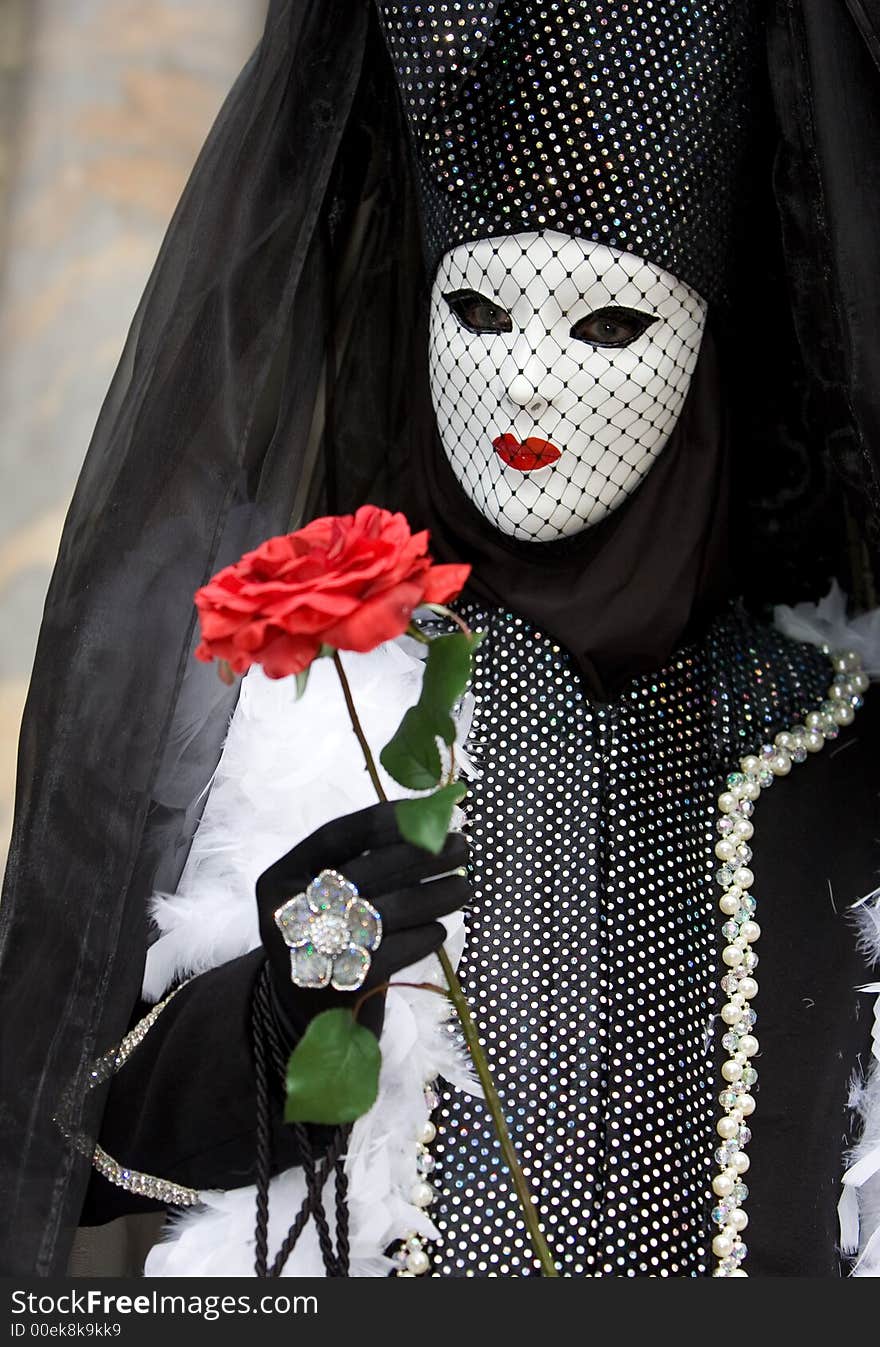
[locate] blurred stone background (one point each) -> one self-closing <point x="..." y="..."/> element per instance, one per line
<point x="103" y="107"/>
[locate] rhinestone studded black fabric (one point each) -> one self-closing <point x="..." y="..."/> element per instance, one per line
<point x="625" y="123"/>
<point x="592" y="954"/>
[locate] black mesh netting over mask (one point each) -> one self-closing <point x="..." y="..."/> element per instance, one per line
<point x="558" y="370"/>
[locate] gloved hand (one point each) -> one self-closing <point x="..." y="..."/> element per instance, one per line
<point x="399" y="879"/>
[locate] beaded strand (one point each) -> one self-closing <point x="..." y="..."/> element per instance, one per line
<point x="411" y="1258"/>
<point x="740" y="931"/>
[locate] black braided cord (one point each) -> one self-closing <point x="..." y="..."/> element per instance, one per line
<point x="261" y="1230"/>
<point x="314" y="1186"/>
<point x="343" y="1248"/>
<point x="336" y="1261"/>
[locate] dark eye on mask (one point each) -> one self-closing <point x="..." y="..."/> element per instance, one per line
<point x="612" y="326"/>
<point x="477" y="313"/>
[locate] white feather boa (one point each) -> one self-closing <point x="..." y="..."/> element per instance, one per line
<point x="826" y="623"/>
<point x="287" y="767"/>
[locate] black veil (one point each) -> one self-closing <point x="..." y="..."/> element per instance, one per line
<point x="294" y="238"/>
<point x="268" y="376"/>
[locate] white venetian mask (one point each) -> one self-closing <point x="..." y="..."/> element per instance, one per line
<point x="559" y="368"/>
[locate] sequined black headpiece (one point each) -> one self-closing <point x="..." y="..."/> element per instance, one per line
<point x="621" y="122"/>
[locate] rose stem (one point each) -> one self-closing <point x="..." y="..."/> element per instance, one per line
<point x="493" y="1104"/>
<point x="469" y="1029"/>
<point x="358" y="729"/>
<point x="385" y="987"/>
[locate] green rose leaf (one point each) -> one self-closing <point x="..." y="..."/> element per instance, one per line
<point x="425" y="822"/>
<point x="333" y="1072"/>
<point x="447" y="673"/>
<point x="302" y="682"/>
<point x="412" y="756"/>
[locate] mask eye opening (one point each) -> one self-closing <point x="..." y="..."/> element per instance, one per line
<point x="613" y="325"/>
<point x="477" y="313"/>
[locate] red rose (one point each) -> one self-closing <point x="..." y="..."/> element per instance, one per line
<point x="348" y="581"/>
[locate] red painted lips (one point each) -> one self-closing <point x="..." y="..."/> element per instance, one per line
<point x="528" y="455"/>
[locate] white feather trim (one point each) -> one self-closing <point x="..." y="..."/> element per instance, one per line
<point x="217" y="1239"/>
<point x="826" y="624"/>
<point x="287" y="767"/>
<point x="859" y="1207"/>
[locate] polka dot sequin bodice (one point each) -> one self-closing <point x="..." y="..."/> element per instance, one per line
<point x="592" y="959"/>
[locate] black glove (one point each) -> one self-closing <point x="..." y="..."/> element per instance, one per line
<point x="367" y="849"/>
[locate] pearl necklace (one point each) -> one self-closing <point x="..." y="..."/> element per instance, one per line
<point x="411" y="1258"/>
<point x="736" y="805"/>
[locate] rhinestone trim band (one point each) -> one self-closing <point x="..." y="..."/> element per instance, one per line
<point x="121" y="1176"/>
<point x="740" y="931"/>
<point x="145" y="1185"/>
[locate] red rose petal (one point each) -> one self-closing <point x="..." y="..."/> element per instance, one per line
<point x="377" y="621"/>
<point x="351" y="581"/>
<point x="443" y="583"/>
<point x="288" y="655"/>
